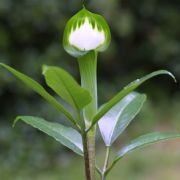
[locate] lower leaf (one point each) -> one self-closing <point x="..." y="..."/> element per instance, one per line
<point x="67" y="136"/>
<point x="143" y="141"/>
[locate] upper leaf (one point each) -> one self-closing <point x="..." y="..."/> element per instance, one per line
<point x="65" y="135"/>
<point x="40" y="90"/>
<point x="66" y="87"/>
<point x="126" y="90"/>
<point x="115" y="121"/>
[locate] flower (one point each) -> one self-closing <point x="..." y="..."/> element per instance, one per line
<point x="85" y="32"/>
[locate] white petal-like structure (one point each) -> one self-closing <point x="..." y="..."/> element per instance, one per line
<point x="86" y="37"/>
<point x="85" y="32"/>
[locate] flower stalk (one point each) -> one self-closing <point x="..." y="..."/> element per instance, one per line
<point x="88" y="69"/>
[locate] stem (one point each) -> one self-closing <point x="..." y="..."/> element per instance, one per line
<point x="86" y="156"/>
<point x="106" y="158"/>
<point x="88" y="68"/>
<point x="103" y="175"/>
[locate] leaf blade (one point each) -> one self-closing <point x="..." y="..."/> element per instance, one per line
<point x="125" y="91"/>
<point x="145" y="140"/>
<point x="67" y="136"/>
<point x="40" y="90"/>
<point x="66" y="87"/>
<point x="140" y="142"/>
<point x="115" y="121"/>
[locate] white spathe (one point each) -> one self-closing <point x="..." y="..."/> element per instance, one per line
<point x="86" y="38"/>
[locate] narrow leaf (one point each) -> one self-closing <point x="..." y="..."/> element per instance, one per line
<point x="67" y="136"/>
<point x="40" y="90"/>
<point x="140" y="142"/>
<point x="115" y="121"/>
<point x="126" y="90"/>
<point x="66" y="87"/>
<point x="145" y="140"/>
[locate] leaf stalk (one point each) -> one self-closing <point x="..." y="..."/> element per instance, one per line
<point x="106" y="161"/>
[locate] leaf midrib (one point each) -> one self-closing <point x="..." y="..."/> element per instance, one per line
<point x="66" y="86"/>
<point x="119" y="114"/>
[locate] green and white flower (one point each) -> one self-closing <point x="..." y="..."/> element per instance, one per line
<point x="85" y="32"/>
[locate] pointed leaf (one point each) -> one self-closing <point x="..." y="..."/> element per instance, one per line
<point x="115" y="121"/>
<point x="66" y="87"/>
<point x="40" y="90"/>
<point x="140" y="142"/>
<point x="145" y="140"/>
<point x="67" y="136"/>
<point x="126" y="90"/>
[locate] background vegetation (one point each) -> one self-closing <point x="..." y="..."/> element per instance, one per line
<point x="145" y="37"/>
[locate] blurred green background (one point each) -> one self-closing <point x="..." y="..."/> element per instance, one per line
<point x="145" y="37"/>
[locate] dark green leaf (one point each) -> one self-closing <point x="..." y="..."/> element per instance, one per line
<point x="67" y="136"/>
<point x="129" y="88"/>
<point x="66" y="87"/>
<point x="40" y="90"/>
<point x="115" y="121"/>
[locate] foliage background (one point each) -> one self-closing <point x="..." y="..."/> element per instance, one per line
<point x="145" y="37"/>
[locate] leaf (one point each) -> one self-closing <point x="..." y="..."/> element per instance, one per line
<point x="67" y="136"/>
<point x="115" y="121"/>
<point x="66" y="87"/>
<point x="40" y="90"/>
<point x="126" y="90"/>
<point x="142" y="141"/>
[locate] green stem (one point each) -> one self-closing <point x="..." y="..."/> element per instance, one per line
<point x="88" y="71"/>
<point x="106" y="158"/>
<point x="103" y="176"/>
<point x="88" y="66"/>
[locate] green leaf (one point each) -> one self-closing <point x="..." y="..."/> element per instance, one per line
<point x="115" y="121"/>
<point x="145" y="140"/>
<point x="66" y="87"/>
<point x="140" y="142"/>
<point x="126" y="90"/>
<point x="40" y="90"/>
<point x="67" y="136"/>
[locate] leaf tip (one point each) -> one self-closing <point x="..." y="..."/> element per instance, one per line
<point x="174" y="78"/>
